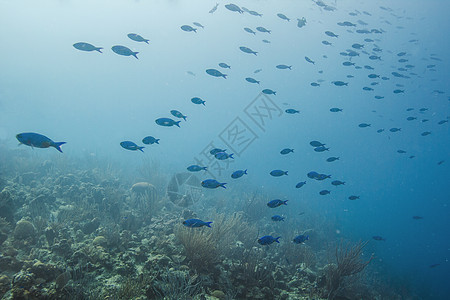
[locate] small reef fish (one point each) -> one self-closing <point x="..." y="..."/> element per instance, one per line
<point x="216" y="73"/>
<point x="300" y="184"/>
<point x="300" y="239"/>
<point x="214" y="151"/>
<point x="137" y="38"/>
<point x="87" y="47"/>
<point x="124" y="51"/>
<point x="277" y="218"/>
<point x="268" y="239"/>
<point x="353" y="197"/>
<point x="378" y="238"/>
<point x="167" y="122"/>
<point x="234" y="8"/>
<point x="131" y="146"/>
<point x="188" y="28"/>
<point x="276" y="203"/>
<point x="223" y="155"/>
<point x="197" y="100"/>
<point x="38" y="140"/>
<point x="292" y="111"/>
<point x="214" y="8"/>
<point x="150" y="140"/>
<point x="212" y="184"/>
<point x="248" y="50"/>
<point x="238" y="174"/>
<point x="286" y="151"/>
<point x="178" y="114"/>
<point x="196" y="168"/>
<point x="278" y="173"/>
<point x="194" y="223"/>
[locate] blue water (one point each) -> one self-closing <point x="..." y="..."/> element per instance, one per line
<point x="94" y="101"/>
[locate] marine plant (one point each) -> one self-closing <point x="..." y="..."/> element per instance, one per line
<point x="200" y="247"/>
<point x="348" y="263"/>
<point x="174" y="284"/>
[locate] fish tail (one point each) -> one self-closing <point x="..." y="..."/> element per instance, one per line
<point x="99" y="49"/>
<point x="184" y="118"/>
<point x="285" y="202"/>
<point x="285" y="172"/>
<point x="57" y="146"/>
<point x="276" y="239"/>
<point x="231" y="156"/>
<point x="204" y="103"/>
<point x="224" y="76"/>
<point x="146" y="41"/>
<point x="245" y="172"/>
<point x="140" y="149"/>
<point x="223" y="185"/>
<point x="177" y="123"/>
<point x="157" y="141"/>
<point x="135" y="54"/>
<point x="205" y="168"/>
<point x="208" y="224"/>
<point x="255" y="53"/>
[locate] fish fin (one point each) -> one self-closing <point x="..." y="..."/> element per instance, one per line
<point x="284" y="202"/>
<point x="224" y="76"/>
<point x="146" y="41"/>
<point x="223" y="185"/>
<point x="208" y="224"/>
<point x="245" y="172"/>
<point x="135" y="54"/>
<point x="177" y="123"/>
<point x="285" y="172"/>
<point x="140" y="149"/>
<point x="157" y="141"/>
<point x="99" y="49"/>
<point x="57" y="146"/>
<point x="276" y="239"/>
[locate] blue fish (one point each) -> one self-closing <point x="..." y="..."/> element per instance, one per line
<point x="216" y="150"/>
<point x="251" y="80"/>
<point x="269" y="92"/>
<point x="276" y="203"/>
<point x="87" y="47"/>
<point x="196" y="168"/>
<point x="131" y="146"/>
<point x="277" y="218"/>
<point x="197" y="100"/>
<point x="212" y="184"/>
<point x="167" y="122"/>
<point x="238" y="174"/>
<point x="300" y="184"/>
<point x="268" y="239"/>
<point x="321" y="149"/>
<point x="149" y="140"/>
<point x="286" y="151"/>
<point x="177" y="114"/>
<point x="292" y="111"/>
<point x="278" y="173"/>
<point x="216" y="73"/>
<point x="188" y="28"/>
<point x="137" y="38"/>
<point x="122" y="50"/>
<point x="38" y="140"/>
<point x="324" y="192"/>
<point x="223" y="155"/>
<point x="299" y="239"/>
<point x="247" y="50"/>
<point x="194" y="223"/>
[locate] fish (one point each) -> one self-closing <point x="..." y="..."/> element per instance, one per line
<point x="262" y="29"/>
<point x="339" y="83"/>
<point x="321" y="177"/>
<point x="224" y="65"/>
<point x="286" y="151"/>
<point x="137" y="38"/>
<point x="190" y="73"/>
<point x="251" y="80"/>
<point x="282" y="16"/>
<point x="178" y="114"/>
<point x="149" y="140"/>
<point x="353" y="197"/>
<point x="131" y="146"/>
<point x="248" y="50"/>
<point x="292" y="111"/>
<point x="284" y="67"/>
<point x="257" y="71"/>
<point x="239" y="173"/>
<point x="249" y="30"/>
<point x="167" y="122"/>
<point x="331" y="34"/>
<point x="198" y="25"/>
<point x="373" y="76"/>
<point x="194" y="223"/>
<point x="374" y="57"/>
<point x="321" y="149"/>
<point x="188" y="28"/>
<point x="316" y="144"/>
<point x="380" y="130"/>
<point x="214" y="151"/>
<point x="87" y="47"/>
<point x="268" y="239"/>
<point x="300" y="184"/>
<point x="401" y="54"/>
<point x="300" y="239"/>
<point x="216" y="73"/>
<point x="266" y="41"/>
<point x="348" y="63"/>
<point x="197" y="100"/>
<point x="324" y="192"/>
<point x="276" y="203"/>
<point x="346" y="23"/>
<point x="125" y="51"/>
<point x="425" y="133"/>
<point x="331" y="159"/>
<point x="223" y="155"/>
<point x="366" y="88"/>
<point x="357" y="46"/>
<point x="309" y="60"/>
<point x="212" y="184"/>
<point x="335" y="109"/>
<point x="442" y="122"/>
<point x="378" y="238"/>
<point x="337" y="182"/>
<point x="234" y="8"/>
<point x="379" y="97"/>
<point x="277" y="218"/>
<point x="315" y="84"/>
<point x="327" y="43"/>
<point x="363" y="125"/>
<point x="301" y="22"/>
<point x="394" y="129"/>
<point x="196" y="168"/>
<point x="278" y="173"/>
<point x="214" y="8"/>
<point x="254" y="13"/>
<point x="38" y="140"/>
<point x="269" y="92"/>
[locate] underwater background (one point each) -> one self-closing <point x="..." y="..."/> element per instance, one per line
<point x="75" y="225"/>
